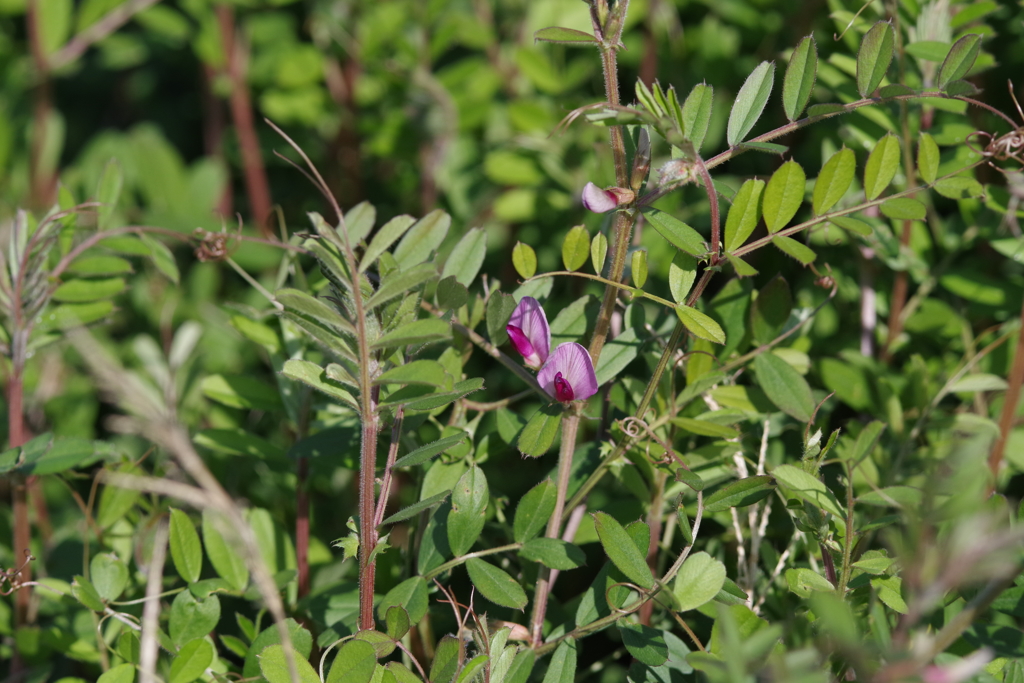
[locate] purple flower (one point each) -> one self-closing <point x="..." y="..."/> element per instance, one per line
<point x="528" y="330"/>
<point x="569" y="374"/>
<point x="597" y="200"/>
<point x="602" y="201"/>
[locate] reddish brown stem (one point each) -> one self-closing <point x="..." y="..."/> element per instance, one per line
<point x="256" y="186"/>
<point x="1010" y="401"/>
<point x="41" y="179"/>
<point x="213" y="133"/>
<point x="302" y="528"/>
<point x="367" y="529"/>
<point x="19" y="507"/>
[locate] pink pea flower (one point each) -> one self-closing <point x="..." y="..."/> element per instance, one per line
<point x="528" y="330"/>
<point x="569" y="374"/>
<point x="602" y="201"/>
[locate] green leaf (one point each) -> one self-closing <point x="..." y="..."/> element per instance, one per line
<point x="534" y="509"/>
<point x="446" y="660"/>
<point x="798" y="250"/>
<point x="959" y="187"/>
<point x="742" y="268"/>
<point x="397" y="622"/>
<point x="241" y="391"/>
<point x="564" y="36"/>
<point x="700" y="324"/>
<point x="622" y="551"/>
<point x="803" y="581"/>
<point x="495" y="585"/>
<point x="617" y="354"/>
<point x="226" y="561"/>
<point x="682" y="273"/>
<point x="809" y="488"/>
<point x="192" y="618"/>
<point x="354" y="663"/>
<point x="834" y="180"/>
<point x="86" y="593"/>
<point x="469" y="508"/>
<point x="699" y="580"/>
<point x="109" y="575"/>
<point x="770" y="310"/>
<point x="690" y="478"/>
<point x="122" y="673"/>
<point x="679" y="234"/>
<point x="854" y="225"/>
<point x="192" y="660"/>
<point x="301" y="639"/>
<point x="638" y="267"/>
<point x="738" y="494"/>
<point x="422" y="372"/>
<point x="428" y="451"/>
<point x="799" y="80"/>
<point x="889" y="592"/>
<point x="598" y="251"/>
<point x="81" y="291"/>
<point x="927" y="157"/>
<point x="765" y="147"/>
<point x="697" y="114"/>
<point x="705" y="428"/>
<point x="783" y="195"/>
<point x="576" y="248"/>
<point x="553" y="553"/>
<point x="750" y="102"/>
<point x="499" y="310"/>
<point x="883" y="162"/>
<point x="903" y="208"/>
<point x="434" y="401"/>
<point x="401" y="282"/>
<point x="416" y="332"/>
<point x="540" y="432"/>
<point x="162" y="258"/>
<point x="416" y="508"/>
<point x="874" y="57"/>
<point x="422" y="239"/>
<point x="524" y="259"/>
<point x="646" y="644"/>
<point x="410" y="595"/>
<point x="384" y="238"/>
<point x="313" y="375"/>
<point x="89" y="266"/>
<point x="359" y="221"/>
<point x="562" y="668"/>
<point x="743" y="214"/>
<point x="472" y="668"/>
<point x="959" y="61"/>
<point x="521" y="667"/>
<point x="274" y="666"/>
<point x="784" y="386"/>
<point x="467" y="257"/>
<point x="382" y="643"/>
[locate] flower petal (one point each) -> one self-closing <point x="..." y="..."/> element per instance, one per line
<point x="530" y="323"/>
<point x="597" y="200"/>
<point x="573" y="362"/>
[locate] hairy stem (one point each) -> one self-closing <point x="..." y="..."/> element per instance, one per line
<point x="1010" y="401"/>
<point x="570" y="427"/>
<point x="367" y="529"/>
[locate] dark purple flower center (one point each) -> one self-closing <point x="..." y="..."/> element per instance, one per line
<point x="563" y="390"/>
<point x="520" y="341"/>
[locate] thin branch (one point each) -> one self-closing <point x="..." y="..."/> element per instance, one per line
<point x="149" y="646"/>
<point x="96" y="32"/>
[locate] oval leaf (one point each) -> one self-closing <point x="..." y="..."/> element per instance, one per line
<point x="700" y="324"/>
<point x="524" y="258"/>
<point x="834" y="180"/>
<point x="598" y="251"/>
<point x="467" y="257"/>
<point x="469" y="507"/>
<point x="354" y="663"/>
<point x="927" y="157"/>
<point x="784" y="386"/>
<point x="783" y="195"/>
<point x="622" y="551"/>
<point x="697" y="114"/>
<point x="799" y="80"/>
<point x="186" y="551"/>
<point x="495" y="585"/>
<point x="883" y="162"/>
<point x="903" y="208"/>
<point x="540" y="432"/>
<point x="960" y="59"/>
<point x="565" y="36"/>
<point x="554" y="553"/>
<point x="739" y="494"/>
<point x="874" y="57"/>
<point x="699" y="580"/>
<point x="638" y="267"/>
<point x="750" y="102"/>
<point x="679" y="234"/>
<point x="808" y="487"/>
<point x="576" y="248"/>
<point x="533" y="511"/>
<point x="743" y="214"/>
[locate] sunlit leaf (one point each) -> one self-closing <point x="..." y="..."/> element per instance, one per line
<point x="800" y="75"/>
<point x="750" y="102"/>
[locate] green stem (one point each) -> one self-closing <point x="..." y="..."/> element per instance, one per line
<point x="451" y="564"/>
<point x="570" y="427"/>
<point x="844" y="578"/>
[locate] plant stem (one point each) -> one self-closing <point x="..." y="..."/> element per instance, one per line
<point x="256" y="186"/>
<point x="302" y="527"/>
<point x="1010" y="401"/>
<point x="367" y="529"/>
<point x="847" y="569"/>
<point x="570" y="427"/>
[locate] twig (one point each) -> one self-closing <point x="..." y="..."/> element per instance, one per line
<point x="1010" y="401"/>
<point x="96" y="32"/>
<point x="149" y="646"/>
